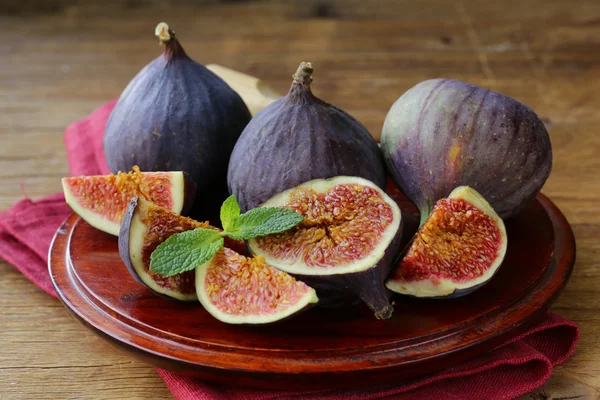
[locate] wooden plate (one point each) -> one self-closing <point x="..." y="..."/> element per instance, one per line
<point x="322" y="347"/>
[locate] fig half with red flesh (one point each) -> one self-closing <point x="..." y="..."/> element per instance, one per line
<point x="458" y="249"/>
<point x="101" y="200"/>
<point x="241" y="290"/>
<point x="346" y="243"/>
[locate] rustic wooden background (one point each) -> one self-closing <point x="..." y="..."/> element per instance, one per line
<point x="61" y="59"/>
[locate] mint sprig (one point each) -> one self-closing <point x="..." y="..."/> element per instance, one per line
<point x="185" y="251"/>
<point x="230" y="212"/>
<point x="180" y="251"/>
<point x="262" y="222"/>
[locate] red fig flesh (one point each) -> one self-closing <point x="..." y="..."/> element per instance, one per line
<point x="346" y="243"/>
<point x="457" y="250"/>
<point x="102" y="200"/>
<point x="241" y="290"/>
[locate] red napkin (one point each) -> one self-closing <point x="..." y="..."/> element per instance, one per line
<point x="506" y="372"/>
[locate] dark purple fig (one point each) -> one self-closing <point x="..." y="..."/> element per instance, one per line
<point x="457" y="250"/>
<point x="346" y="244"/>
<point x="177" y="115"/>
<point x="445" y="133"/>
<point x="296" y="139"/>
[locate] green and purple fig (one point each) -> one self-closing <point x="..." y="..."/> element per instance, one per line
<point x="444" y="133"/>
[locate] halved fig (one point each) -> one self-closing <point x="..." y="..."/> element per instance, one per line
<point x="101" y="200"/>
<point x="242" y="290"/>
<point x="346" y="243"/>
<point x="458" y="249"/>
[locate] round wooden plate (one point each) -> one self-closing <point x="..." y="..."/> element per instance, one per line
<point x="321" y="347"/>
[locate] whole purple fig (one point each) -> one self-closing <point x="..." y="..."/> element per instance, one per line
<point x="296" y="139"/>
<point x="176" y="115"/>
<point x="444" y="133"/>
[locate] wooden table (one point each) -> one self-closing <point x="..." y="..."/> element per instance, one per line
<point x="63" y="59"/>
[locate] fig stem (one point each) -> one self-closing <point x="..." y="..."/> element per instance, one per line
<point x="384" y="313"/>
<point x="167" y="37"/>
<point x="303" y="74"/>
<point x="164" y="33"/>
<point x="424" y="215"/>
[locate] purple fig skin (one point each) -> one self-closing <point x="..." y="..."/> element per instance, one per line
<point x="177" y="115"/>
<point x="124" y="242"/>
<point x="190" y="190"/>
<point x="368" y="285"/>
<point x="296" y="139"/>
<point x="444" y="133"/>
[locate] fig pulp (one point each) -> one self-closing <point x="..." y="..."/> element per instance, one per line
<point x="296" y="139"/>
<point x="177" y="115"/>
<point x="101" y="200"/>
<point x="457" y="250"/>
<point x="346" y="242"/>
<point x="240" y="290"/>
<point x="445" y="133"/>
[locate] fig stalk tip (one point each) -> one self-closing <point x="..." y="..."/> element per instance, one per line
<point x="163" y="32"/>
<point x="303" y="74"/>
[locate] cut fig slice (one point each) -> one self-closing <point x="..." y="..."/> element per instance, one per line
<point x="458" y="249"/>
<point x="241" y="290"/>
<point x="101" y="200"/>
<point x="145" y="226"/>
<point x="346" y="243"/>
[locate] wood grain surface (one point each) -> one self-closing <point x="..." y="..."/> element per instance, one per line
<point x="62" y="59"/>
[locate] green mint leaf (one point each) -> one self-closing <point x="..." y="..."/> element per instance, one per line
<point x="230" y="211"/>
<point x="185" y="251"/>
<point x="263" y="221"/>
